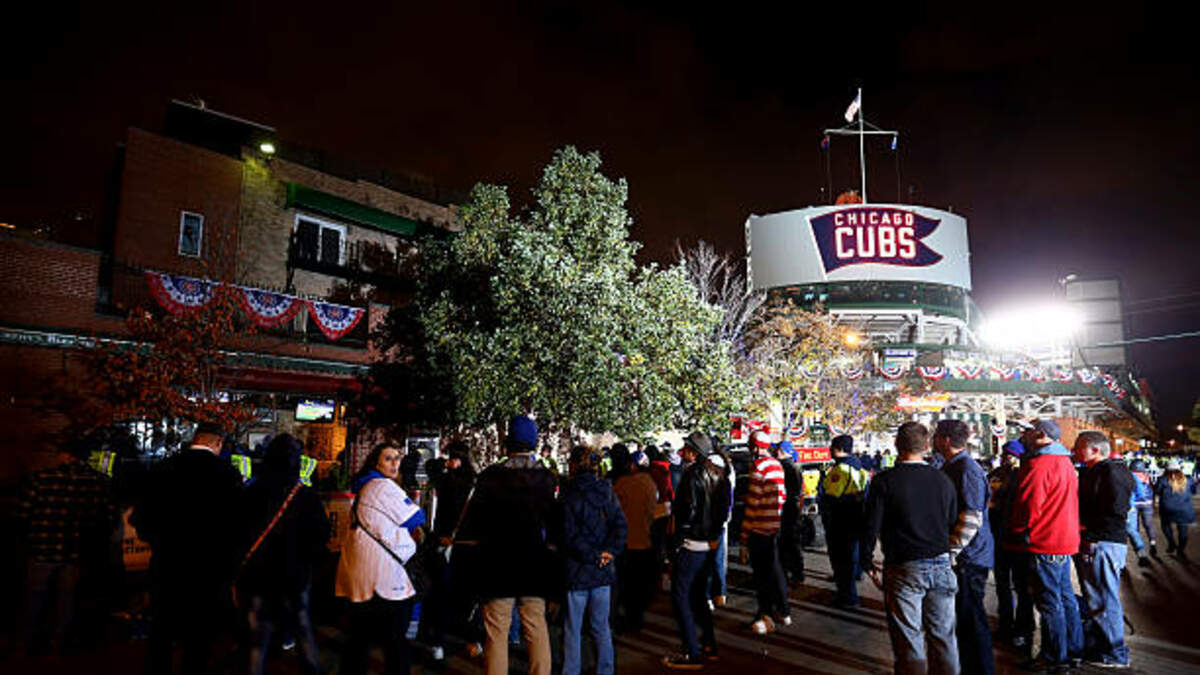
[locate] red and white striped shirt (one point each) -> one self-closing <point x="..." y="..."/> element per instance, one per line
<point x="765" y="499"/>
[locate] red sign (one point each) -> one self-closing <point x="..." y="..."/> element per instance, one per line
<point x="813" y="455"/>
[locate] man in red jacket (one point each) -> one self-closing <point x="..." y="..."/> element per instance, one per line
<point x="1045" y="524"/>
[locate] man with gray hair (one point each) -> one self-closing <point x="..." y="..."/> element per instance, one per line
<point x="1104" y="490"/>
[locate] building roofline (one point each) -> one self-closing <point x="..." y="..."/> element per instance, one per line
<point x="232" y="118"/>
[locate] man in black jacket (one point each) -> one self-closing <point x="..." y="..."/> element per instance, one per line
<point x="512" y="517"/>
<point x="1105" y="488"/>
<point x="699" y="509"/>
<point x="189" y="517"/>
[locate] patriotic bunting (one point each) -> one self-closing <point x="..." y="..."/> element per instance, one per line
<point x="1086" y="376"/>
<point x="335" y="320"/>
<point x="268" y="309"/>
<point x="810" y="373"/>
<point x="1063" y="375"/>
<point x="178" y="294"/>
<point x="933" y="372"/>
<point x="969" y="372"/>
<point x="852" y="373"/>
<point x="999" y="430"/>
<point x="1003" y="373"/>
<point x="892" y="372"/>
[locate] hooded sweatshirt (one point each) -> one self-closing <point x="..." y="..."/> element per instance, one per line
<point x="1045" y="510"/>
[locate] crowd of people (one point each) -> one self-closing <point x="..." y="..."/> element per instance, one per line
<point x="503" y="553"/>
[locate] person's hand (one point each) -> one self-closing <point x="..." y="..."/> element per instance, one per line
<point x="445" y="542"/>
<point x="605" y="558"/>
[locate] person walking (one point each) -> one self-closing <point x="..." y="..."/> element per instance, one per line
<point x="791" y="545"/>
<point x="513" y="521"/>
<point x="593" y="536"/>
<point x="1105" y="487"/>
<point x="287" y="535"/>
<point x="912" y="510"/>
<point x="1011" y="568"/>
<point x="1175" y="510"/>
<point x="760" y="534"/>
<point x="636" y="565"/>
<point x="188" y="516"/>
<point x="1045" y="524"/>
<point x="453" y="478"/>
<point x="842" y="495"/>
<point x="384" y="534"/>
<point x="1143" y="507"/>
<point x="700" y="505"/>
<point x="971" y="546"/>
<point x="718" y="577"/>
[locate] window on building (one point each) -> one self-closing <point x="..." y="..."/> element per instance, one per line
<point x="320" y="241"/>
<point x="191" y="233"/>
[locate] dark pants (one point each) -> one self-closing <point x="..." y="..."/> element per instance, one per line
<point x="770" y="584"/>
<point x="1012" y="577"/>
<point x="194" y="616"/>
<point x="636" y="581"/>
<point x="974" y="635"/>
<point x="689" y="598"/>
<point x="843" y="557"/>
<point x="290" y="612"/>
<point x="1181" y="529"/>
<point x="50" y="603"/>
<point x="383" y="622"/>
<point x="791" y="549"/>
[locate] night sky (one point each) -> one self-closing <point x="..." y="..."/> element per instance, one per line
<point x="1066" y="137"/>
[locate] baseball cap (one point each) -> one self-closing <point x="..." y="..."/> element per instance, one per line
<point x="1048" y="427"/>
<point x="1014" y="448"/>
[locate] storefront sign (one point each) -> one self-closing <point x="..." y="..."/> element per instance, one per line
<point x="932" y="402"/>
<point x="808" y="455"/>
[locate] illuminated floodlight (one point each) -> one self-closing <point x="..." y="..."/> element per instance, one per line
<point x="1031" y="326"/>
<point x="267" y="147"/>
<point x="852" y="339"/>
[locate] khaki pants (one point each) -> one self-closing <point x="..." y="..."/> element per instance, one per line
<point x="497" y="618"/>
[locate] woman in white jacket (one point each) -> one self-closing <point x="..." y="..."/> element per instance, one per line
<point x="384" y="522"/>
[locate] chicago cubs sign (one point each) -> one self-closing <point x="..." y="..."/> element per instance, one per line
<point x="858" y="242"/>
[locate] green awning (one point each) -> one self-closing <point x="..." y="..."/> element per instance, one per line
<point x="344" y="209"/>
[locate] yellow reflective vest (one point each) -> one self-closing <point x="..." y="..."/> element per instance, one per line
<point x="843" y="480"/>
<point x="307" y="466"/>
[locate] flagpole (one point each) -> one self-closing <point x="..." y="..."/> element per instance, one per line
<point x="862" y="153"/>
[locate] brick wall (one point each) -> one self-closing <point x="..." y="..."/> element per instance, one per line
<point x="163" y="177"/>
<point x="48" y="285"/>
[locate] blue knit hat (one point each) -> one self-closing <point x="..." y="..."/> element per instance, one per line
<point x="785" y="447"/>
<point x="522" y="434"/>
<point x="1014" y="448"/>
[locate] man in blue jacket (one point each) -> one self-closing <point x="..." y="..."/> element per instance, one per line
<point x="593" y="536"/>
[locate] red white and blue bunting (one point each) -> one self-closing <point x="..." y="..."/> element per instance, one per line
<point x="268" y="309"/>
<point x="933" y="372"/>
<point x="969" y="372"/>
<point x="999" y="430"/>
<point x="1062" y="375"/>
<point x="180" y="294"/>
<point x="798" y="431"/>
<point x="1086" y="376"/>
<point x="852" y="373"/>
<point x="893" y="372"/>
<point x="810" y="373"/>
<point x="335" y="320"/>
<point x="1004" y="373"/>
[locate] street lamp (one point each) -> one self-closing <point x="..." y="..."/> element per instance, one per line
<point x="852" y="339"/>
<point x="1179" y="428"/>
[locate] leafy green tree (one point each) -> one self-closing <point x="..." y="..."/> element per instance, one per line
<point x="546" y="311"/>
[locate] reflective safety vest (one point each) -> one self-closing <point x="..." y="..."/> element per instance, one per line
<point x="103" y="461"/>
<point x="888" y="461"/>
<point x="243" y="465"/>
<point x="811" y="478"/>
<point x="307" y="466"/>
<point x="845" y="480"/>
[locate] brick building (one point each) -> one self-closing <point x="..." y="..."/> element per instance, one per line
<point x="221" y="199"/>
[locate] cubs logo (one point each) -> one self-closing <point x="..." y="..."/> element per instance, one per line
<point x="883" y="235"/>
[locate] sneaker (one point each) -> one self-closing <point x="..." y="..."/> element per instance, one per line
<point x="1101" y="662"/>
<point x="683" y="662"/>
<point x="1143" y="561"/>
<point x="763" y="625"/>
<point x="289" y="644"/>
<point x="711" y="605"/>
<point x="475" y="650"/>
<point x="438" y="653"/>
<point x="709" y="653"/>
<point x="1153" y="549"/>
<point x="785" y="620"/>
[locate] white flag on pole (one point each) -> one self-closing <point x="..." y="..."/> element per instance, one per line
<point x="854" y="106"/>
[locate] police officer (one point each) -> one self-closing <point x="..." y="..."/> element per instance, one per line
<point x="842" y="494"/>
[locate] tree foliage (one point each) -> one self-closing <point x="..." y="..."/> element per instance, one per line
<point x="546" y="311"/>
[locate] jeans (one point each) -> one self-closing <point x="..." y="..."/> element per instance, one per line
<point x="383" y="622"/>
<point x="689" y="598"/>
<point x="974" y="634"/>
<point x="1099" y="569"/>
<point x="594" y="602"/>
<point x="291" y="613"/>
<point x="919" y="598"/>
<point x="1181" y="529"/>
<point x="1131" y="530"/>
<point x="497" y="617"/>
<point x="1145" y="516"/>
<point x="1062" y="634"/>
<point x="770" y="584"/>
<point x="716" y="579"/>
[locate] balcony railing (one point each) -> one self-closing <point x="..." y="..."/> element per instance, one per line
<point x="365" y="262"/>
